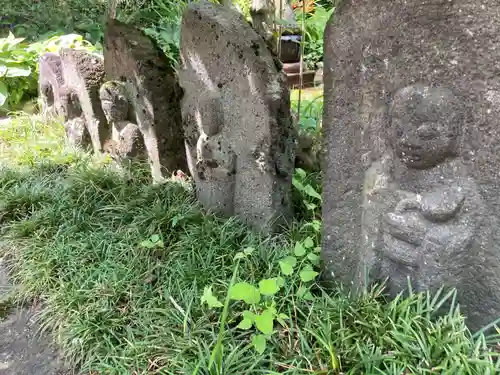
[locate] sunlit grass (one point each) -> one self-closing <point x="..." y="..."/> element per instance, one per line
<point x="72" y="229"/>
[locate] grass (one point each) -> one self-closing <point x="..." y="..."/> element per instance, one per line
<point x="73" y="232"/>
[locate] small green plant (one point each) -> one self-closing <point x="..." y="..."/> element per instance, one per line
<point x="315" y="23"/>
<point x="310" y="114"/>
<point x="261" y="312"/>
<point x="297" y="269"/>
<point x="153" y="242"/>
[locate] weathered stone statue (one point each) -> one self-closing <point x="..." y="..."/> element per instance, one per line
<point x="127" y="142"/>
<point x="240" y="139"/>
<point x="433" y="209"/>
<point x="83" y="74"/>
<point x="50" y="81"/>
<point x="60" y="100"/>
<point x="153" y="95"/>
<point x="411" y="126"/>
<point x="75" y="124"/>
<point x="266" y="14"/>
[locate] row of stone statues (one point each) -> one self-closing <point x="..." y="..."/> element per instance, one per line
<point x="229" y="125"/>
<point x="411" y="126"/>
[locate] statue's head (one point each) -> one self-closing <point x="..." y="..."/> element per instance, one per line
<point x="425" y="123"/>
<point x="114" y="102"/>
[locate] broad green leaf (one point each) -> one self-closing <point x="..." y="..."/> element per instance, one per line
<point x="286" y="269"/>
<point x="314" y="258"/>
<point x="4" y="93"/>
<point x="300" y="172"/>
<point x="307" y="274"/>
<point x="154" y="238"/>
<point x="317" y="249"/>
<point x="308" y="243"/>
<point x="259" y="343"/>
<point x="249" y="315"/>
<point x="209" y="298"/>
<point x="269" y="287"/>
<point x="309" y="190"/>
<point x="245" y="292"/>
<point x="287" y="264"/>
<point x="265" y="322"/>
<point x="245" y="324"/>
<point x="308" y="296"/>
<point x="291" y="260"/>
<point x="299" y="249"/>
<point x="17" y="71"/>
<point x="297" y="184"/>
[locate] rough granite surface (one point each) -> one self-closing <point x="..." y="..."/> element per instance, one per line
<point x="411" y="143"/>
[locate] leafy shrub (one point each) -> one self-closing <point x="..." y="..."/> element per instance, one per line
<point x="315" y="23"/>
<point x="19" y="65"/>
<point x="16" y="71"/>
<point x="311" y="111"/>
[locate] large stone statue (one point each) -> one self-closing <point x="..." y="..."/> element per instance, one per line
<point x="83" y="74"/>
<point x="62" y="100"/>
<point x="431" y="210"/>
<point x="50" y="82"/>
<point x="240" y="139"/>
<point x="412" y="129"/>
<point x="153" y="95"/>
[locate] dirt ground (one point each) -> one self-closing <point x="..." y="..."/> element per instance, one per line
<point x="22" y="350"/>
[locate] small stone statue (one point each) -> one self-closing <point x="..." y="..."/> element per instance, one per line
<point x="437" y="205"/>
<point x="127" y="141"/>
<point x="215" y="158"/>
<point x="68" y="107"/>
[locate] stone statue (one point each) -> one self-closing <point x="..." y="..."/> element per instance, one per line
<point x="434" y="206"/>
<point x="83" y="74"/>
<point x="68" y="107"/>
<point x="127" y="141"/>
<point x="50" y="81"/>
<point x="424" y="200"/>
<point x="213" y="160"/>
<point x="267" y="13"/>
<point x="153" y="94"/>
<point x="239" y="134"/>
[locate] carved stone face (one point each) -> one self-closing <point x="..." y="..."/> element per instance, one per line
<point x="48" y="94"/>
<point x="425" y="124"/>
<point x="114" y="101"/>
